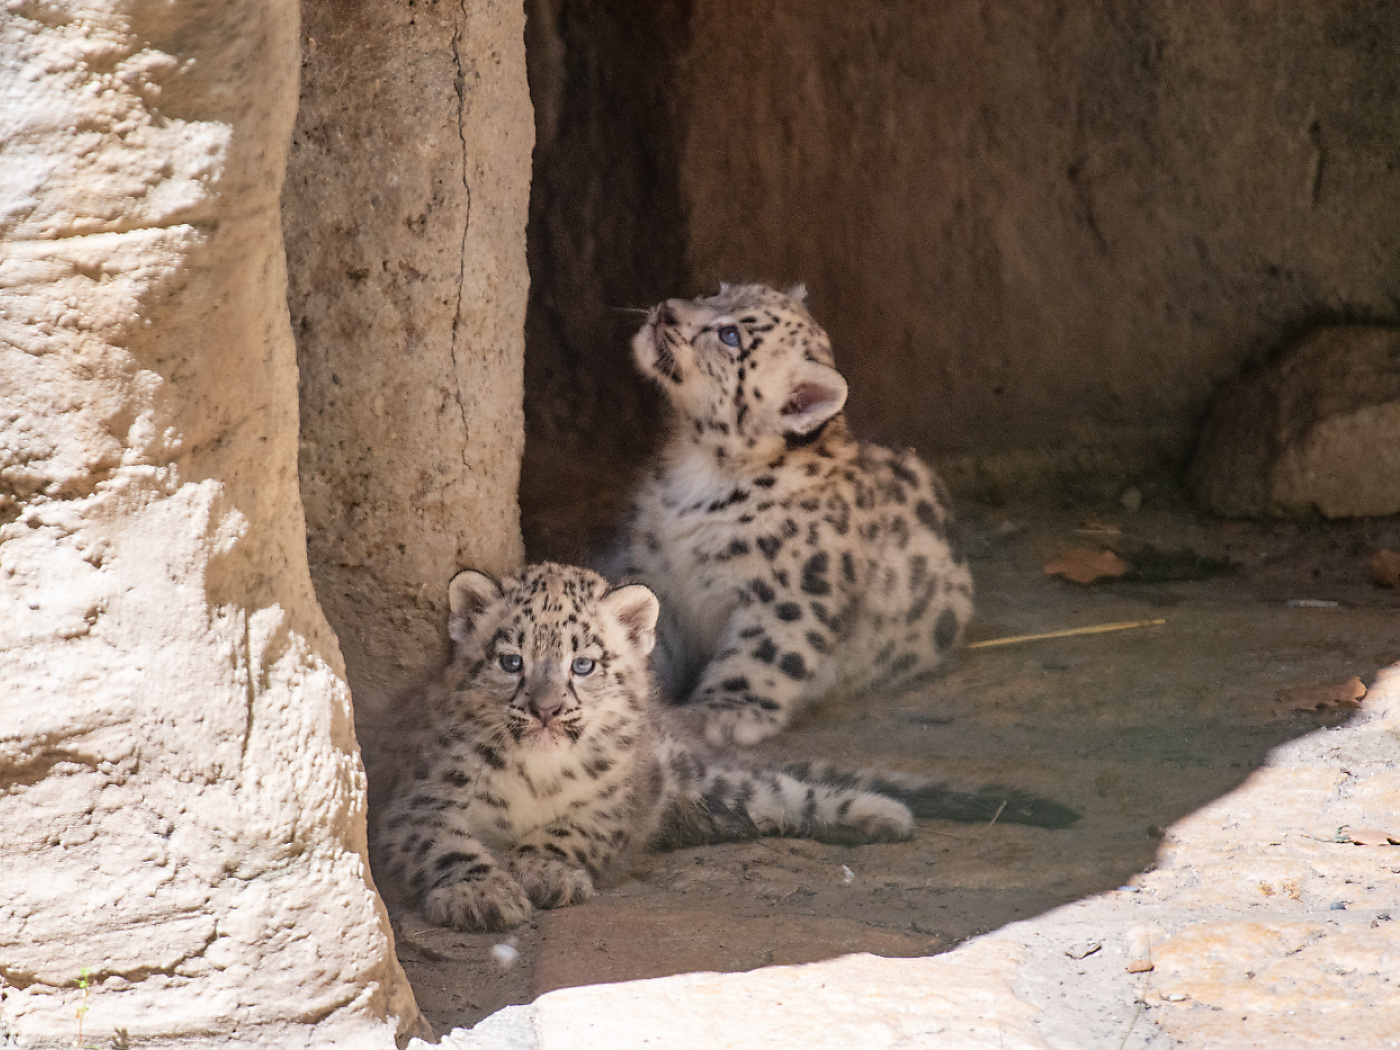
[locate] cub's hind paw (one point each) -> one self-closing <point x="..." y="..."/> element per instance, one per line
<point x="496" y="901"/>
<point x="551" y="883"/>
<point x="744" y="726"/>
<point x="869" y="818"/>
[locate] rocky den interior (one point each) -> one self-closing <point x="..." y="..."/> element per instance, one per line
<point x="1125" y="273"/>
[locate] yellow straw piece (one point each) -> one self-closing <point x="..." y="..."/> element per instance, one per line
<point x="1102" y="628"/>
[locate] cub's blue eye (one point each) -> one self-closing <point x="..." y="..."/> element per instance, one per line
<point x="729" y="335"/>
<point x="511" y="663"/>
<point x="583" y="665"/>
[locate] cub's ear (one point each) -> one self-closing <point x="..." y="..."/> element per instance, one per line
<point x="636" y="608"/>
<point x="798" y="292"/>
<point x="468" y="595"/>
<point x="817" y="393"/>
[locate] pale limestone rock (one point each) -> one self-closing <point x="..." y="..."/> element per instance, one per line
<point x="1317" y="431"/>
<point x="404" y="210"/>
<point x="959" y="1001"/>
<point x="182" y="804"/>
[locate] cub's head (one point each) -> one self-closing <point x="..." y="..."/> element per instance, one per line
<point x="550" y="655"/>
<point x="746" y="369"/>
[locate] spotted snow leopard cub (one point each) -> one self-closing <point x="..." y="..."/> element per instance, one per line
<point x="791" y="560"/>
<point x="545" y="759"/>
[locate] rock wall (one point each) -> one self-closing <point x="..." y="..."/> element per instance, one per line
<point x="404" y="212"/>
<point x="606" y="236"/>
<point x="182" y="802"/>
<point x="1040" y="235"/>
<point x="1317" y="431"/>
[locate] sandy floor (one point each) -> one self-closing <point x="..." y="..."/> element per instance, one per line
<point x="1136" y="730"/>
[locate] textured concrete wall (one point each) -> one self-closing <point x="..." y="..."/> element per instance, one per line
<point x="182" y="803"/>
<point x="405" y="209"/>
<point x="1040" y="235"/>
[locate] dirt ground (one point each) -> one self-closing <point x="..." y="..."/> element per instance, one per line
<point x="1134" y="729"/>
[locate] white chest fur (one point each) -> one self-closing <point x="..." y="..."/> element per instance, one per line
<point x="538" y="788"/>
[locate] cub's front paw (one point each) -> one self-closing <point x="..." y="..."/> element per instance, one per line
<point x="495" y="901"/>
<point x="551" y="883"/>
<point x="744" y="726"/>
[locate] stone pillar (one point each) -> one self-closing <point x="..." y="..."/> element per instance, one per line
<point x="404" y="210"/>
<point x="182" y="804"/>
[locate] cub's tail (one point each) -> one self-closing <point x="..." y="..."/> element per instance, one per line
<point x="928" y="799"/>
<point x="718" y="798"/>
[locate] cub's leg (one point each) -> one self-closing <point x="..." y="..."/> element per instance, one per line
<point x="549" y="881"/>
<point x="456" y="880"/>
<point x="771" y="661"/>
<point x="555" y="863"/>
<point x="743" y="802"/>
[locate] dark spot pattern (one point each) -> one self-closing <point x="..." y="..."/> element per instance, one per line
<point x="793" y="665"/>
<point x="814" y="570"/>
<point x="928" y="517"/>
<point x="945" y="630"/>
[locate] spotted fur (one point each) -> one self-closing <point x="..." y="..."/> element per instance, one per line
<point x="790" y="560"/>
<point x="545" y="760"/>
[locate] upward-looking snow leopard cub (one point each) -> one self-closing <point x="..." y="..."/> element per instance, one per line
<point x="790" y="560"/>
<point x="545" y="759"/>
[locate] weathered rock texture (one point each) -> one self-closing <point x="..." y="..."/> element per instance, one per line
<point x="1040" y="235"/>
<point x="1318" y="430"/>
<point x="404" y="212"/>
<point x="182" y="804"/>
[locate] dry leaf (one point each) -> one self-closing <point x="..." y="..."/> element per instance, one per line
<point x="1385" y="568"/>
<point x="1140" y="966"/>
<point x="1345" y="695"/>
<point x="1084" y="565"/>
<point x="1372" y="837"/>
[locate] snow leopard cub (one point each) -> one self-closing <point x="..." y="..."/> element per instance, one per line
<point x="791" y="560"/>
<point x="545" y="759"/>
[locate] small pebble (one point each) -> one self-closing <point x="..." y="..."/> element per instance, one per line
<point x="1175" y="997"/>
<point x="847" y="875"/>
<point x="1140" y="966"/>
<point x="1338" y="906"/>
<point x="505" y="955"/>
<point x="1084" y="950"/>
<point x="1129" y="889"/>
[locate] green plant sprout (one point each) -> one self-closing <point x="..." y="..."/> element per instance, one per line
<point x="83" y="983"/>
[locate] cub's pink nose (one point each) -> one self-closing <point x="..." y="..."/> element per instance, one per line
<point x="546" y="710"/>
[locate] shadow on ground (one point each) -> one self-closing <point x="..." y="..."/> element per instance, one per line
<point x="1134" y="729"/>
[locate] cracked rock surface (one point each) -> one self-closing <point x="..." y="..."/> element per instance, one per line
<point x="405" y="205"/>
<point x="181" y="798"/>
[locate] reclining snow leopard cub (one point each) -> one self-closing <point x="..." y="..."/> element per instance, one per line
<point x="545" y="759"/>
<point x="790" y="560"/>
